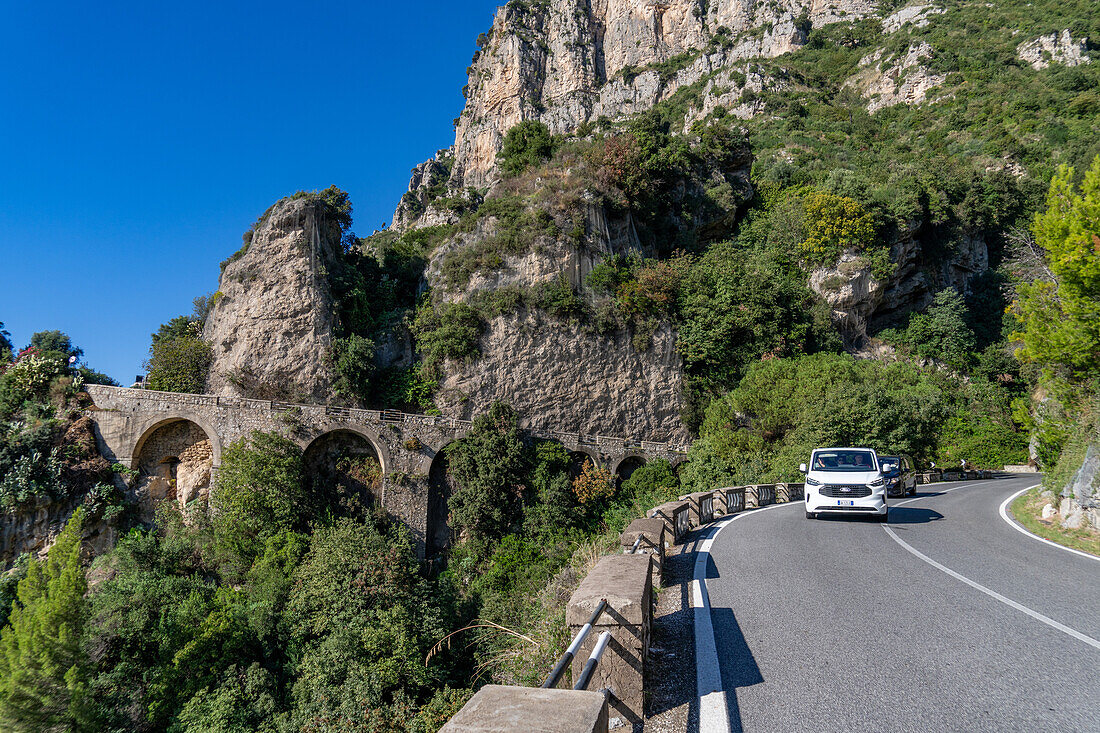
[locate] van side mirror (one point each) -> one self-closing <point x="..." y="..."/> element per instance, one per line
<point x="802" y="467"/>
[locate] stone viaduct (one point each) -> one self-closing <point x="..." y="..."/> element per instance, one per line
<point x="179" y="438"/>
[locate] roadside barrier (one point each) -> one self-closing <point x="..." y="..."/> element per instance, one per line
<point x="615" y="599"/>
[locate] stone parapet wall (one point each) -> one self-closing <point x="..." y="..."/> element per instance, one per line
<point x="405" y="444"/>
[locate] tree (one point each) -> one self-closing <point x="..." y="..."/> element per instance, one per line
<point x="179" y="360"/>
<point x="942" y="332"/>
<point x="490" y="466"/>
<point x="7" y="351"/>
<point x="42" y="673"/>
<point x="526" y="144"/>
<point x="1060" y="321"/>
<point x="259" y="492"/>
<point x="55" y="342"/>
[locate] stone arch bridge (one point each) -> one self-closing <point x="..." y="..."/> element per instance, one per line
<point x="179" y="439"/>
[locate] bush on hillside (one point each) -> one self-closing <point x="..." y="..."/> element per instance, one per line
<point x="525" y="145"/>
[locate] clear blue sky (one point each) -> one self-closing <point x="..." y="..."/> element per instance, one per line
<point x="139" y="140"/>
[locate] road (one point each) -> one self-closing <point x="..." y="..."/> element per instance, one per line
<point x="832" y="625"/>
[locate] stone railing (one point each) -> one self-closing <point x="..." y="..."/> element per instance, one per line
<point x="353" y="414"/>
<point x="622" y="585"/>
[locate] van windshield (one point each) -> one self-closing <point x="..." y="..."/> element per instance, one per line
<point x="844" y="460"/>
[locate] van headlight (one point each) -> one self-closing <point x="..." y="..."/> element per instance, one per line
<point x="812" y="482"/>
<point x="880" y="481"/>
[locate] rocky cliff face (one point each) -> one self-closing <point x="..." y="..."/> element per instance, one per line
<point x="568" y="62"/>
<point x="559" y="377"/>
<point x="272" y="325"/>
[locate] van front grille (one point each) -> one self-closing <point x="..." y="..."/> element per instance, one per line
<point x="845" y="492"/>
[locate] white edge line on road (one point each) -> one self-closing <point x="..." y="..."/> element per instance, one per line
<point x="995" y="595"/>
<point x="713" y="715"/>
<point x="1020" y="528"/>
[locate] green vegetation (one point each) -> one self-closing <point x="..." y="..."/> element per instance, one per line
<point x="1027" y="510"/>
<point x="527" y="144"/>
<point x="784" y="408"/>
<point x="179" y="360"/>
<point x="268" y="615"/>
<point x="1056" y="315"/>
<point x="42" y="668"/>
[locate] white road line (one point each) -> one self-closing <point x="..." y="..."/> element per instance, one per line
<point x="1020" y="528"/>
<point x="940" y="493"/>
<point x="713" y="714"/>
<point x="995" y="595"/>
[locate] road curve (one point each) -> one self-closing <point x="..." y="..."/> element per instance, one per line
<point x="832" y="625"/>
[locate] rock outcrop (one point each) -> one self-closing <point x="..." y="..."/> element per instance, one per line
<point x="272" y="325"/>
<point x="902" y="80"/>
<point x="1056" y="48"/>
<point x="570" y="62"/>
<point x="557" y="376"/>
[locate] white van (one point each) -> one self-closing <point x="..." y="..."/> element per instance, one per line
<point x="845" y="481"/>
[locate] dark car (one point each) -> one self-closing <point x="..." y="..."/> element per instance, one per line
<point x="898" y="472"/>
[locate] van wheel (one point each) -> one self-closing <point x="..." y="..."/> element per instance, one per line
<point x="884" y="517"/>
<point x="810" y="515"/>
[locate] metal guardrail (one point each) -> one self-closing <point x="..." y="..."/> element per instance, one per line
<point x="574" y="647"/>
<point x="735" y="499"/>
<point x="593" y="661"/>
<point x="682" y="521"/>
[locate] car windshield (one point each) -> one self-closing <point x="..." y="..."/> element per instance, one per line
<point x="844" y="460"/>
<point x="891" y="463"/>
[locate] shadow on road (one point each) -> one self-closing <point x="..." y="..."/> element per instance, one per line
<point x="739" y="668"/>
<point x="913" y="515"/>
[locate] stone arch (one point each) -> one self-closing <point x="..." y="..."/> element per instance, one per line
<point x="441" y="485"/>
<point x="175" y="458"/>
<point x="373" y="439"/>
<point x="343" y="471"/>
<point x="577" y="458"/>
<point x="625" y="466"/>
<point x="152" y="424"/>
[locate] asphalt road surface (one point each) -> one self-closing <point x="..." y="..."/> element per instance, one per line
<point x="832" y="625"/>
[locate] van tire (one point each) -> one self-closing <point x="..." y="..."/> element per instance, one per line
<point x="884" y="517"/>
<point x="810" y="515"/>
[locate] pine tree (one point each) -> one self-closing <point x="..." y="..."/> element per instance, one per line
<point x="41" y="665"/>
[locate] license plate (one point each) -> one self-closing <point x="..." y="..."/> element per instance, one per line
<point x="841" y="502"/>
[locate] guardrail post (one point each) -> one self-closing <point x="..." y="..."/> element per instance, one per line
<point x="701" y="506"/>
<point x="730" y="500"/>
<point x="625" y="581"/>
<point x="500" y="708"/>
<point x="677" y="518"/>
<point x="652" y="534"/>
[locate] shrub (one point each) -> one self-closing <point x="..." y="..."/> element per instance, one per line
<point x="353" y="364"/>
<point x="451" y="331"/>
<point x="259" y="492"/>
<point x="526" y="144"/>
<point x="489" y="465"/>
<point x="834" y="224"/>
<point x="594" y="484"/>
<point x="179" y="360"/>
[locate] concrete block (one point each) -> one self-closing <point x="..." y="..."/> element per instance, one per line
<point x="652" y="534"/>
<point x="677" y="518"/>
<point x="625" y="581"/>
<point x="503" y="709"/>
<point x="729" y="500"/>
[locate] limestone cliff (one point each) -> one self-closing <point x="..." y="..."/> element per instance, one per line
<point x="559" y="377"/>
<point x="568" y="62"/>
<point x="272" y="325"/>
